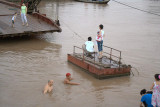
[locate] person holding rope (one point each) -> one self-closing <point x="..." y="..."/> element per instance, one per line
<point x="99" y="39"/>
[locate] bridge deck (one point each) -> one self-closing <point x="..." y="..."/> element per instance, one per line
<point x="36" y="25"/>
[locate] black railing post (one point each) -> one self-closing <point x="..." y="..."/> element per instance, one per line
<point x="83" y="54"/>
<point x="94" y="57"/>
<point x="110" y="55"/>
<point x="120" y="59"/>
<point x="73" y="49"/>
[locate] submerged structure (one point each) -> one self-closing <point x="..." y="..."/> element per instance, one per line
<point x="108" y="66"/>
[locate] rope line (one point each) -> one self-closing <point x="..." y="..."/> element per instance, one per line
<point x="136" y="8"/>
<point x="132" y="74"/>
<point x="136" y="70"/>
<point x="72" y="30"/>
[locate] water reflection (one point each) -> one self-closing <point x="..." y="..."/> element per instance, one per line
<point x="27" y="44"/>
<point x="98" y="88"/>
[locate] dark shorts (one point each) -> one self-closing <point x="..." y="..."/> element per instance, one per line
<point x="13" y="21"/>
<point x="100" y="45"/>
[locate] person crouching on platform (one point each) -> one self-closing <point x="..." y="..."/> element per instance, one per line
<point x="48" y="87"/>
<point x="68" y="79"/>
<point x="23" y="13"/>
<point x="88" y="47"/>
<point x="14" y="18"/>
<point x="146" y="98"/>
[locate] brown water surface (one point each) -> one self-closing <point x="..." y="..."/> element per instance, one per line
<point x="27" y="63"/>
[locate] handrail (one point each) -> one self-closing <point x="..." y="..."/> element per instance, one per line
<point x="111" y="48"/>
<point x="110" y="54"/>
<point x="77" y="47"/>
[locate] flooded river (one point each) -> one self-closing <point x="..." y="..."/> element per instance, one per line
<point x="26" y="64"/>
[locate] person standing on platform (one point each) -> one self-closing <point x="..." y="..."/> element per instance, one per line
<point x="14" y="19"/>
<point x="23" y="13"/>
<point x="156" y="91"/>
<point x="99" y="39"/>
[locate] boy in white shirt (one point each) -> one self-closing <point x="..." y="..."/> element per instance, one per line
<point x="14" y="19"/>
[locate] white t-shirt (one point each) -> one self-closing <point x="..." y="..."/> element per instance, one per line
<point x="89" y="46"/>
<point x="100" y="38"/>
<point x="14" y="17"/>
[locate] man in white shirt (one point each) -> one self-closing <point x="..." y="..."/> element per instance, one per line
<point x="89" y="47"/>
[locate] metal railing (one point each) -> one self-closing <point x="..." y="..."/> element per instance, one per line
<point x="110" y="53"/>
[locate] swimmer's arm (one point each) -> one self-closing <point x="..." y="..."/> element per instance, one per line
<point x="72" y="83"/>
<point x="152" y="86"/>
<point x="45" y="90"/>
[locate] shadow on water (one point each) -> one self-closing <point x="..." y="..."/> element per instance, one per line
<point x="27" y="43"/>
<point x="99" y="83"/>
<point x="97" y="87"/>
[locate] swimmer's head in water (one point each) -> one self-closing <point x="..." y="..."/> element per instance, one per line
<point x="50" y="82"/>
<point x="68" y="75"/>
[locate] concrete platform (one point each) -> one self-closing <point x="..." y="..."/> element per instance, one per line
<point x="37" y="22"/>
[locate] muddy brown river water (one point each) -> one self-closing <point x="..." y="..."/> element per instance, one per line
<point x="27" y="63"/>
